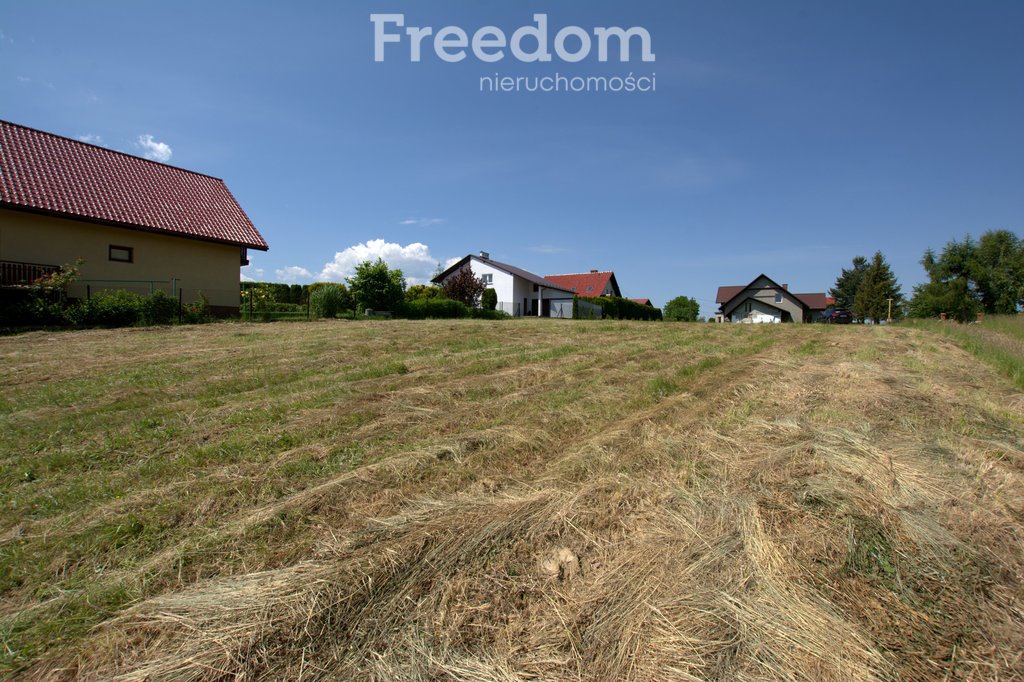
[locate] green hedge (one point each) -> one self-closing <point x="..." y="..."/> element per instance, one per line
<point x="434" y="308"/>
<point x="615" y="308"/>
<point x="485" y="314"/>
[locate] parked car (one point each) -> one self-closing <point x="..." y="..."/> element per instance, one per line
<point x="836" y="316"/>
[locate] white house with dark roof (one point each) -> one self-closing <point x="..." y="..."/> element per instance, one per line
<point x="135" y="224"/>
<point x="520" y="293"/>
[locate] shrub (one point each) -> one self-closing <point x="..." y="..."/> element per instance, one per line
<point x="198" y="312"/>
<point x="435" y="308"/>
<point x="159" y="309"/>
<point x="110" y="308"/>
<point x="489" y="299"/>
<point x="418" y="291"/>
<point x="329" y="300"/>
<point x="485" y="314"/>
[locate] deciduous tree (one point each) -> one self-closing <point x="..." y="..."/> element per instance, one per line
<point x="463" y="286"/>
<point x="682" y="309"/>
<point x="374" y="286"/>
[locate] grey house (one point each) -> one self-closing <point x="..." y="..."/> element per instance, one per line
<point x="766" y="301"/>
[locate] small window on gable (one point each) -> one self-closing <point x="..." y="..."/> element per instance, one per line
<point x="488" y="278"/>
<point x="121" y="254"/>
<point x="778" y="298"/>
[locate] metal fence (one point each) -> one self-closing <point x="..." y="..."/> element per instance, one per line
<point x="561" y="309"/>
<point x="513" y="309"/>
<point x="14" y="273"/>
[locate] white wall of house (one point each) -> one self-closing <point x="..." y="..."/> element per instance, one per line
<point x="515" y="294"/>
<point x="501" y="281"/>
<point x="753" y="311"/>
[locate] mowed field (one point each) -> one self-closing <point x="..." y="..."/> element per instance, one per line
<point x="531" y="499"/>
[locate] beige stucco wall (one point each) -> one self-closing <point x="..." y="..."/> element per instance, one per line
<point x="196" y="266"/>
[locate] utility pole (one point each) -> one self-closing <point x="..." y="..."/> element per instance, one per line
<point x="890" y="311"/>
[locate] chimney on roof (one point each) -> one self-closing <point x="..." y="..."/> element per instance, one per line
<point x="485" y="255"/>
<point x="593" y="272"/>
<point x="786" y="287"/>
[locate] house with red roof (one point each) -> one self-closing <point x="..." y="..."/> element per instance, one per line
<point x="591" y="284"/>
<point x="520" y="292"/>
<point x="766" y="301"/>
<point x="134" y="224"/>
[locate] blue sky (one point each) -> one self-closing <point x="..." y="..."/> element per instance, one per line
<point x="783" y="137"/>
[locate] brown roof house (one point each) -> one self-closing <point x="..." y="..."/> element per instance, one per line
<point x="135" y="224"/>
<point x="591" y="284"/>
<point x="766" y="301"/>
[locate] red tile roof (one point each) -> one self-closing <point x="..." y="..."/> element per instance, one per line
<point x="642" y="301"/>
<point x="585" y="284"/>
<point x="47" y="173"/>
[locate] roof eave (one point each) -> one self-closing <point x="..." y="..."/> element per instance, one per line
<point x="127" y="226"/>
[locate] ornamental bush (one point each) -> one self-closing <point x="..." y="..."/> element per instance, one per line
<point x="330" y="300"/>
<point x="159" y="309"/>
<point x="111" y="308"/>
<point x="485" y="314"/>
<point x="435" y="308"/>
<point x="489" y="299"/>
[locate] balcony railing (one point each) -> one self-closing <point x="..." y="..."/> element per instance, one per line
<point x="15" y="273"/>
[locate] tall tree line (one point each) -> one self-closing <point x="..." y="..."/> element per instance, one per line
<point x="968" y="277"/>
<point x="869" y="289"/>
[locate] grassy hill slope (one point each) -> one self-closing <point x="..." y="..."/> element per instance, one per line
<point x="504" y="501"/>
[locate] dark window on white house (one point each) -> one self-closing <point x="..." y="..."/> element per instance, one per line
<point x="778" y="298"/>
<point x="121" y="254"/>
<point x="488" y="278"/>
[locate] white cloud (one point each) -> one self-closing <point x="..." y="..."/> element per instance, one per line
<point x="414" y="260"/>
<point x="292" y="274"/>
<point x="157" y="151"/>
<point x="255" y="271"/>
<point x="422" y="222"/>
<point x="24" y="79"/>
<point x="92" y="139"/>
